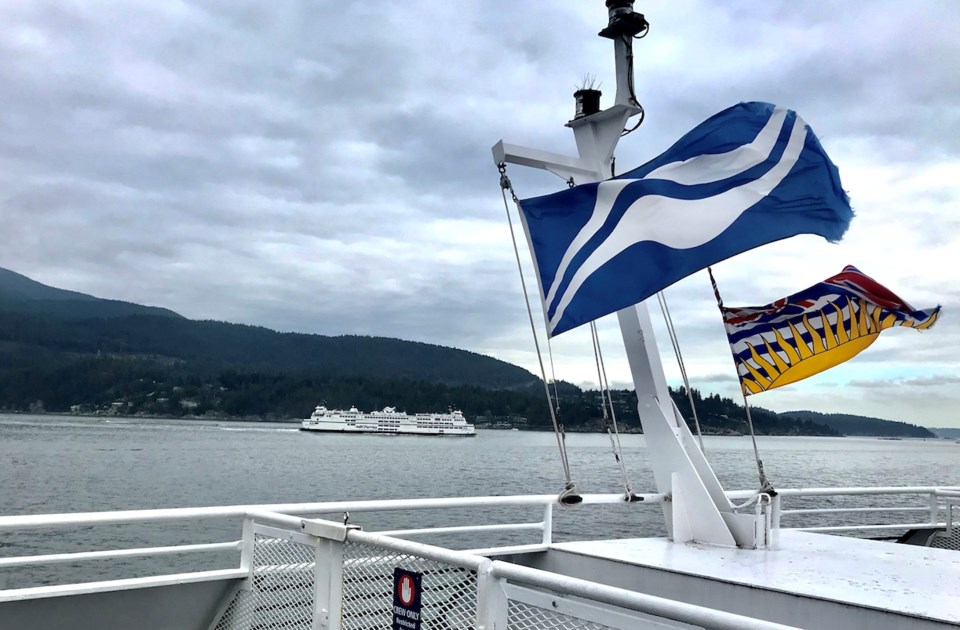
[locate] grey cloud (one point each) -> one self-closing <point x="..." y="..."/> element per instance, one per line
<point x="325" y="167"/>
<point x="717" y="378"/>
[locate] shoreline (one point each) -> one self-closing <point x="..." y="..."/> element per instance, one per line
<point x="248" y="419"/>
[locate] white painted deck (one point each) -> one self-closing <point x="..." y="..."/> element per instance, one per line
<point x="909" y="580"/>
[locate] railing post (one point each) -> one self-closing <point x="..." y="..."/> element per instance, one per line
<point x="246" y="552"/>
<point x="548" y="523"/>
<point x="776" y="522"/>
<point x="950" y="503"/>
<point x="328" y="585"/>
<point x="491" y="599"/>
<point x="934" y="509"/>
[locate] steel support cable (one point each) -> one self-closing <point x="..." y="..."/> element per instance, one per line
<point x="675" y="341"/>
<point x="628" y="487"/>
<point x="607" y="403"/>
<point x="603" y="399"/>
<point x="765" y="485"/>
<point x="569" y="495"/>
<point x="553" y="375"/>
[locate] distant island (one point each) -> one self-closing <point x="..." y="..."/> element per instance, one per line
<point x="947" y="433"/>
<point x="68" y="352"/>
<point x="862" y="426"/>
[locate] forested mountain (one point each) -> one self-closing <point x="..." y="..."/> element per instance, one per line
<point x="62" y="351"/>
<point x="20" y="294"/>
<point x="44" y="327"/>
<point x="861" y="425"/>
<point x="209" y="346"/>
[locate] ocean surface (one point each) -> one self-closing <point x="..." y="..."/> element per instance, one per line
<point x="54" y="464"/>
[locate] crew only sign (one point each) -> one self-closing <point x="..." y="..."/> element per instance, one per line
<point x="406" y="599"/>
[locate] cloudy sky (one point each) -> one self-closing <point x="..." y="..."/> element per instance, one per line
<point x="325" y="167"/>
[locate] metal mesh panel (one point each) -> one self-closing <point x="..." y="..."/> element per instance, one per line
<point x="448" y="593"/>
<point x="521" y="616"/>
<point x="942" y="540"/>
<point x="281" y="594"/>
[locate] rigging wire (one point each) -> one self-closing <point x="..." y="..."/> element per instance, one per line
<point x="662" y="298"/>
<point x="606" y="402"/>
<point x="569" y="495"/>
<point x="553" y="371"/>
<point x="765" y="485"/>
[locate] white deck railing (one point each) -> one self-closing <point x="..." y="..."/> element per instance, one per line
<point x="346" y="590"/>
<point x="932" y="503"/>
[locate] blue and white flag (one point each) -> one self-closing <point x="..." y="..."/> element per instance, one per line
<point x="752" y="174"/>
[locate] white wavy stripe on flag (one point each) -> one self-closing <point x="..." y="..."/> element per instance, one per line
<point x="683" y="223"/>
<point x="607" y="193"/>
<point x="701" y="169"/>
<point x="712" y="167"/>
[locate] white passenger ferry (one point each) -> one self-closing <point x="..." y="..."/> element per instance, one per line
<point x="389" y="421"/>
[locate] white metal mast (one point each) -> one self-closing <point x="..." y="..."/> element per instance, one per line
<point x="699" y="510"/>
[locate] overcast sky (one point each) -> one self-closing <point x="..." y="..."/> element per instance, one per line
<point x="325" y="167"/>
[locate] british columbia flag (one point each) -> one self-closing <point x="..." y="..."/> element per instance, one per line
<point x="813" y="330"/>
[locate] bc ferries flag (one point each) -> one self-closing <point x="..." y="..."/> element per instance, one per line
<point x="815" y="329"/>
<point x="752" y="174"/>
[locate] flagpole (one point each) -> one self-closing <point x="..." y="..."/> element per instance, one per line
<point x="765" y="485"/>
<point x="699" y="508"/>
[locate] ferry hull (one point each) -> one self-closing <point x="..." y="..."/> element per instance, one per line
<point x="387" y="422"/>
<point x="443" y="433"/>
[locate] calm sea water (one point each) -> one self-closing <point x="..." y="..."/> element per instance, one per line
<point x="51" y="464"/>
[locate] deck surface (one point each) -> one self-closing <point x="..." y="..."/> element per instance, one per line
<point x="916" y="581"/>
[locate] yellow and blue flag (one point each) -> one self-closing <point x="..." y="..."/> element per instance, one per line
<point x="750" y="175"/>
<point x="814" y="330"/>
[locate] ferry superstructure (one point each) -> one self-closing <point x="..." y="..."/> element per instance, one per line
<point x="388" y="422"/>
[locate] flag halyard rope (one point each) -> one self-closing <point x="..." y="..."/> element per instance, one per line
<point x="674" y="340"/>
<point x="569" y="495"/>
<point x="765" y="486"/>
<point x="610" y="420"/>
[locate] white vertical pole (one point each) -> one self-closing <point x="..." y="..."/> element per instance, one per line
<point x="491" y="599"/>
<point x="328" y="585"/>
<point x="548" y="523"/>
<point x="246" y="553"/>
<point x="776" y="522"/>
<point x="934" y="509"/>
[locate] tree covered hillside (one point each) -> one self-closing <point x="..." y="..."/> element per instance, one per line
<point x="859" y="425"/>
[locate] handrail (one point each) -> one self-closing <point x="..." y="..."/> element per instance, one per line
<point x="462" y="529"/>
<point x="59" y="558"/>
<point x="895" y="527"/>
<point x="41" y="521"/>
<point x="290" y="516"/>
<point x="813" y="492"/>
<point x="286" y="511"/>
<point x="853" y="510"/>
<point x="675" y="610"/>
<point x="63" y="590"/>
<point x="630" y="600"/>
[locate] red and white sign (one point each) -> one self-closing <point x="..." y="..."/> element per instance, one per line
<point x="406" y="590"/>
